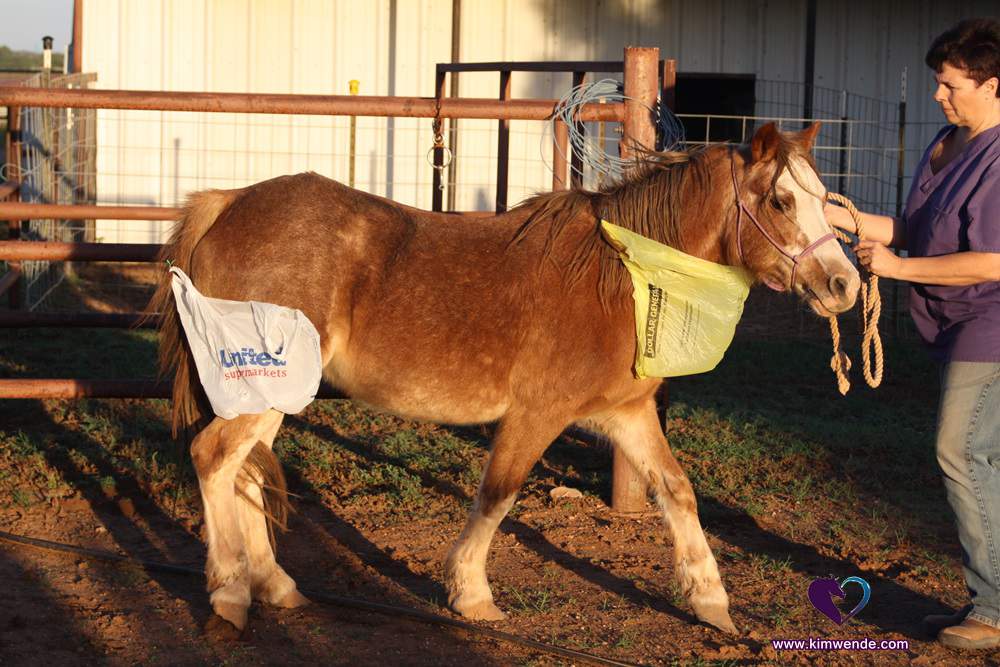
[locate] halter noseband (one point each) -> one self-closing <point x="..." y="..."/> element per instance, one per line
<point x="741" y="208"/>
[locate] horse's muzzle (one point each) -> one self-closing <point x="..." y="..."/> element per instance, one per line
<point x="838" y="296"/>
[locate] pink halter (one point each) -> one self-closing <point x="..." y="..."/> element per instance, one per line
<point x="741" y="208"/>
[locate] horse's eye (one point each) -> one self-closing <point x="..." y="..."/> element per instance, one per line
<point x="776" y="203"/>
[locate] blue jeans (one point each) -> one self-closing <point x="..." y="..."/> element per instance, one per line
<point x="968" y="451"/>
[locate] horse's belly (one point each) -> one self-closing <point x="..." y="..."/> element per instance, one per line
<point x="422" y="407"/>
<point x="446" y="400"/>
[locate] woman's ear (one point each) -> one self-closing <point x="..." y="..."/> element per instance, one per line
<point x="991" y="85"/>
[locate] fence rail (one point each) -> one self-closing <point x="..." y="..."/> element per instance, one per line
<point x="59" y="251"/>
<point x="318" y="105"/>
<point x="640" y="71"/>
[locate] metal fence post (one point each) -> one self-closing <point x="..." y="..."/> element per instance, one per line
<point x="628" y="492"/>
<point x="900" y="169"/>
<point x="352" y="86"/>
<point x="842" y="166"/>
<point x="560" y="147"/>
<point x="503" y="147"/>
<point x="576" y="165"/>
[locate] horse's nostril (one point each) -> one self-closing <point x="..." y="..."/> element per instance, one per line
<point x="838" y="286"/>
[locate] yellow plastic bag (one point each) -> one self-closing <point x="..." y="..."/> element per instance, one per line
<point x="686" y="308"/>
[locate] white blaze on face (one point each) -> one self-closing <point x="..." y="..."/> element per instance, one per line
<point x="808" y="191"/>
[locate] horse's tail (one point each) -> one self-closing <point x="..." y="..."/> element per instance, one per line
<point x="190" y="405"/>
<point x="263" y="469"/>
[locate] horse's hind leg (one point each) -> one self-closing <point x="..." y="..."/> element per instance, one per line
<point x="268" y="581"/>
<point x="218" y="453"/>
<point x="635" y="429"/>
<point x="518" y="443"/>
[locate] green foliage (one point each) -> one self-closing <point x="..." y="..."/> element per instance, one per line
<point x="10" y="59"/>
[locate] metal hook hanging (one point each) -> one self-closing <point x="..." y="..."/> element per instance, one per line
<point x="446" y="153"/>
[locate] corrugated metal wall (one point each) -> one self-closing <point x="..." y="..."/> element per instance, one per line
<point x="391" y="46"/>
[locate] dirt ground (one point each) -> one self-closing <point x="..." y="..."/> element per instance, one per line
<point x="375" y="520"/>
<point x="571" y="573"/>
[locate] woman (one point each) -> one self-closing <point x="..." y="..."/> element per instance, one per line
<point x="951" y="230"/>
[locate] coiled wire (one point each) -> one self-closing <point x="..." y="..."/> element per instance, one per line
<point x="587" y="146"/>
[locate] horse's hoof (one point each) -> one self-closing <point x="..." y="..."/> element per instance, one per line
<point x="235" y="614"/>
<point x="716" y="615"/>
<point x="220" y="629"/>
<point x="484" y="610"/>
<point x="292" y="599"/>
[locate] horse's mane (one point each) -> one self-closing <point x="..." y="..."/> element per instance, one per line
<point x="647" y="200"/>
<point x="655" y="198"/>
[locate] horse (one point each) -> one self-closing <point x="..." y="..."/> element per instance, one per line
<point x="524" y="319"/>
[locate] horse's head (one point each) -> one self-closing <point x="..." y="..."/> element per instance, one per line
<point x="782" y="236"/>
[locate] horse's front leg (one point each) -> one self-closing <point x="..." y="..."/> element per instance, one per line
<point x="635" y="429"/>
<point x="520" y="440"/>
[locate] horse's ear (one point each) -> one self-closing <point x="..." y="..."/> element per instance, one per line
<point x="807" y="137"/>
<point x="765" y="142"/>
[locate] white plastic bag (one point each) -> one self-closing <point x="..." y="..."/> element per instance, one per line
<point x="251" y="356"/>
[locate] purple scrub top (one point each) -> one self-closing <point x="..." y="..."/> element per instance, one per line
<point x="957" y="210"/>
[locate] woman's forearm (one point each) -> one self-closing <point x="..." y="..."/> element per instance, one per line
<point x="960" y="268"/>
<point x="884" y="229"/>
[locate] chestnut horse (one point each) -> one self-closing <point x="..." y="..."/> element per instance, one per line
<point x="524" y="319"/>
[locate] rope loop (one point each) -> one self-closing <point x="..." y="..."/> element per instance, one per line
<point x="872" y="362"/>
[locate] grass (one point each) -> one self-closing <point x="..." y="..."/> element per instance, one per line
<point x="767" y="429"/>
<point x="626" y="639"/>
<point x="530" y="600"/>
<point x="765" y="433"/>
<point x="550" y="594"/>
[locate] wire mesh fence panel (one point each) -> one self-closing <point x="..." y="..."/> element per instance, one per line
<point x="56" y="167"/>
<point x="154" y="158"/>
<point x="159" y="158"/>
<point x="860" y="152"/>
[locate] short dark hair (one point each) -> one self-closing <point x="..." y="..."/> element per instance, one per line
<point x="972" y="45"/>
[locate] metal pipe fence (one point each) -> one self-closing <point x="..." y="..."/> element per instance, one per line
<point x="54" y="171"/>
<point x="56" y="166"/>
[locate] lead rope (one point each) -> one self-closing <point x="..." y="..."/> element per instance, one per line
<point x="871" y="309"/>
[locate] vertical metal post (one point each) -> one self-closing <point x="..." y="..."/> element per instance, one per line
<point x="560" y="146"/>
<point x="842" y="168"/>
<point x="77" y="36"/>
<point x="668" y="87"/>
<point x="810" y="62"/>
<point x="503" y="147"/>
<point x="668" y="97"/>
<point x="456" y="56"/>
<point x="576" y="173"/>
<point x="437" y="197"/>
<point x="900" y="168"/>
<point x="14" y="176"/>
<point x="353" y="88"/>
<point x="601" y="143"/>
<point x="628" y="492"/>
<point x="641" y="88"/>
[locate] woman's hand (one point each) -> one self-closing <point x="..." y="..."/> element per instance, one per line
<point x="878" y="259"/>
<point x="839" y="217"/>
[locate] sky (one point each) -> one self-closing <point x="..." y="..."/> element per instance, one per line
<point x="25" y="22"/>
